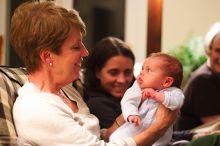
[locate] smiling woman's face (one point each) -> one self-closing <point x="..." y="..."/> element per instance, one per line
<point x="116" y="75"/>
<point x="67" y="64"/>
<point x="215" y="54"/>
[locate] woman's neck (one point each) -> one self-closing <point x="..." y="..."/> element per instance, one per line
<point x="43" y="81"/>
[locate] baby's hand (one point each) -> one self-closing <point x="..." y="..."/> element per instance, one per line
<point x="147" y="93"/>
<point x="134" y="119"/>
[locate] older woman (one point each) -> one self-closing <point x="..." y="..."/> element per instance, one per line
<point x="48" y="39"/>
<point x="203" y="88"/>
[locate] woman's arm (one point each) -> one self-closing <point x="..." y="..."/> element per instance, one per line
<point x="118" y="122"/>
<point x="209" y="119"/>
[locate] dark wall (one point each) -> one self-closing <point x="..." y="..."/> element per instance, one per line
<point x="103" y="18"/>
<point x="13" y="58"/>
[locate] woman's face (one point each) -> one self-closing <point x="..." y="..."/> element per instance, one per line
<point x="116" y="75"/>
<point x="215" y="54"/>
<point x="67" y="64"/>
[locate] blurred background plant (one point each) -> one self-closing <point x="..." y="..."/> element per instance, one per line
<point x="191" y="55"/>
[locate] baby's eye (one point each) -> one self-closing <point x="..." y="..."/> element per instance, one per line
<point x="148" y="70"/>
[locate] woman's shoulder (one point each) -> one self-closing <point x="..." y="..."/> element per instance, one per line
<point x="203" y="73"/>
<point x="102" y="101"/>
<point x="202" y="70"/>
<point x="99" y="97"/>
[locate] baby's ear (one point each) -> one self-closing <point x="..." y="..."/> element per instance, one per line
<point x="168" y="82"/>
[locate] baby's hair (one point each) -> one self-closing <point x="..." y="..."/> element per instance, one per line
<point x="172" y="67"/>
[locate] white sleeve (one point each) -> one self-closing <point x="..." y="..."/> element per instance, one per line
<point x="174" y="98"/>
<point x="131" y="101"/>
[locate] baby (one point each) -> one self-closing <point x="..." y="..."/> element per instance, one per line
<point x="158" y="83"/>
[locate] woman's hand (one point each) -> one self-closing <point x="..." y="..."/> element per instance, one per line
<point x="165" y="117"/>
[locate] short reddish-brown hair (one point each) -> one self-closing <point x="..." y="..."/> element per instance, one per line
<point x="39" y="25"/>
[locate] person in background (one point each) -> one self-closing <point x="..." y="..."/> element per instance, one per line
<point x="108" y="74"/>
<point x="158" y="82"/>
<point x="49" y="40"/>
<point x="202" y="91"/>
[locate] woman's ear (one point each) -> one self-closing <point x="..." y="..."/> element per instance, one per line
<point x="45" y="56"/>
<point x="168" y="82"/>
<point x="97" y="73"/>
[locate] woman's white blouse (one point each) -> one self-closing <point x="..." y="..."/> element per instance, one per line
<point x="44" y="119"/>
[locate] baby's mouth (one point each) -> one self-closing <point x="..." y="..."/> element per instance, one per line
<point x="139" y="80"/>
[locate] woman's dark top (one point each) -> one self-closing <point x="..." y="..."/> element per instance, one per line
<point x="202" y="98"/>
<point x="104" y="107"/>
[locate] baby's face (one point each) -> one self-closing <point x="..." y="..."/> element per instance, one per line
<point x="152" y="74"/>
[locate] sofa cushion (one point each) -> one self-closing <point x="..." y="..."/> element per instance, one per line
<point x="10" y="80"/>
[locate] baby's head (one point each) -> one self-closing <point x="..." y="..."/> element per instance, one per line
<point x="160" y="71"/>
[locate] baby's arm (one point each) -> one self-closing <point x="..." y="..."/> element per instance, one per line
<point x="171" y="97"/>
<point x="130" y="101"/>
<point x="134" y="119"/>
<point x="151" y="93"/>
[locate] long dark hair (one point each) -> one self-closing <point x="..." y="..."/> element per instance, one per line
<point x="105" y="49"/>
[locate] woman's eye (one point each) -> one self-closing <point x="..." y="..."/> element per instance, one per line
<point x="76" y="48"/>
<point x="217" y="50"/>
<point x="128" y="72"/>
<point x="113" y="72"/>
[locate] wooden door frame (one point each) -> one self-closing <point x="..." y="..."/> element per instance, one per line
<point x="154" y="26"/>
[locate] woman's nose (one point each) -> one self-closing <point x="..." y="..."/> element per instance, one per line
<point x="85" y="52"/>
<point x="121" y="78"/>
